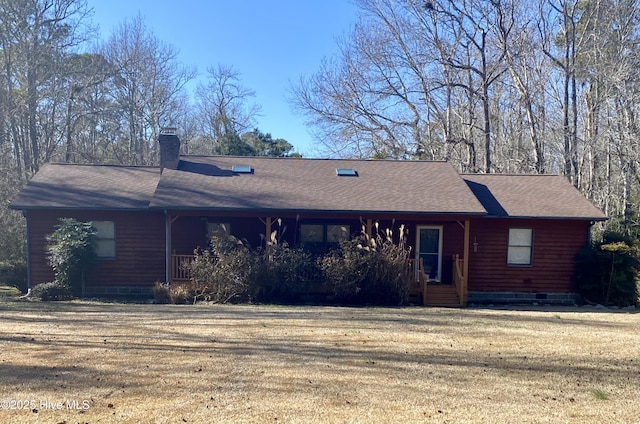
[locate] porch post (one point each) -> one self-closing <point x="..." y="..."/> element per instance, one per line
<point x="28" y="250"/>
<point x="167" y="243"/>
<point x="465" y="264"/>
<point x="267" y="223"/>
<point x="369" y="227"/>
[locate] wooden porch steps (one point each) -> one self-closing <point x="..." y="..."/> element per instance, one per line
<point x="442" y="295"/>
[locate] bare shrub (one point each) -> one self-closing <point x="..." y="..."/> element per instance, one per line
<point x="223" y="272"/>
<point x="370" y="269"/>
<point x="181" y="293"/>
<point x="281" y="271"/>
<point x="365" y="270"/>
<point x="161" y="292"/>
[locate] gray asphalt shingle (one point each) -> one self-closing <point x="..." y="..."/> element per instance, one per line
<point x="531" y="196"/>
<point x="89" y="187"/>
<point x="207" y="182"/>
<point x="293" y="184"/>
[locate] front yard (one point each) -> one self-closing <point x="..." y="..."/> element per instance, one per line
<point x="91" y="362"/>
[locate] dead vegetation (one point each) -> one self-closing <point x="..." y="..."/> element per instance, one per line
<point x="212" y="363"/>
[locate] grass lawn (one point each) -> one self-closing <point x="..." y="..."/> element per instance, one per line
<point x="127" y="363"/>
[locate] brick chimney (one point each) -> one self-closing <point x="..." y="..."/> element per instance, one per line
<point x="169" y="148"/>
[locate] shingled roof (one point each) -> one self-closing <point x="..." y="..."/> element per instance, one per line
<point x="531" y="196"/>
<point x="312" y="185"/>
<point x="208" y="182"/>
<point x="64" y="186"/>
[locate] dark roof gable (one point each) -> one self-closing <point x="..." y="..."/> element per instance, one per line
<point x="531" y="196"/>
<point x="63" y="186"/>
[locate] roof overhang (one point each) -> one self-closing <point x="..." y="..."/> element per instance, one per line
<point x="259" y="211"/>
<point x="554" y="218"/>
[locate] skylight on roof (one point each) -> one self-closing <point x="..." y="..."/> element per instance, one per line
<point x="346" y="172"/>
<point x="242" y="169"/>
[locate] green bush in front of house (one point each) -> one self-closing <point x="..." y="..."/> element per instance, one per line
<point x="607" y="271"/>
<point x="14" y="274"/>
<point x="71" y="253"/>
<point x="53" y="290"/>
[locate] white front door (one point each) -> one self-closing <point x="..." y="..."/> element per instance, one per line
<point x="429" y="249"/>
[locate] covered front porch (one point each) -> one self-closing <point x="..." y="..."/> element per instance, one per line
<point x="439" y="245"/>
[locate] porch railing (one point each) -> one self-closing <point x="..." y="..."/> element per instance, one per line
<point x="179" y="270"/>
<point x="416" y="269"/>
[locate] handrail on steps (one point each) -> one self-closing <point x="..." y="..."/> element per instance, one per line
<point x="416" y="267"/>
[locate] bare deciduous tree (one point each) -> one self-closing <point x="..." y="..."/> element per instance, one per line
<point x="223" y="106"/>
<point x="148" y="87"/>
<point x="499" y="85"/>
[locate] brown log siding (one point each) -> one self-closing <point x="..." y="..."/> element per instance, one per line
<point x="555" y="244"/>
<point x="140" y="252"/>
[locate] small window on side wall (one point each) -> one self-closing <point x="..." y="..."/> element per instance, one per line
<point x="106" y="239"/>
<point x="520" y="246"/>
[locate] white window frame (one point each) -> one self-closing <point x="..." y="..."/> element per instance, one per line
<point x="440" y="229"/>
<point x="518" y="242"/>
<point x="105" y="236"/>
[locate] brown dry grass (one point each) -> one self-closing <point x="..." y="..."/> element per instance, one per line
<point x="207" y="363"/>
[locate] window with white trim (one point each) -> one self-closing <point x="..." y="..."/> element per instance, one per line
<point x="520" y="246"/>
<point x="105" y="239"/>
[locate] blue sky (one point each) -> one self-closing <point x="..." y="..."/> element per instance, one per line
<point x="270" y="42"/>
